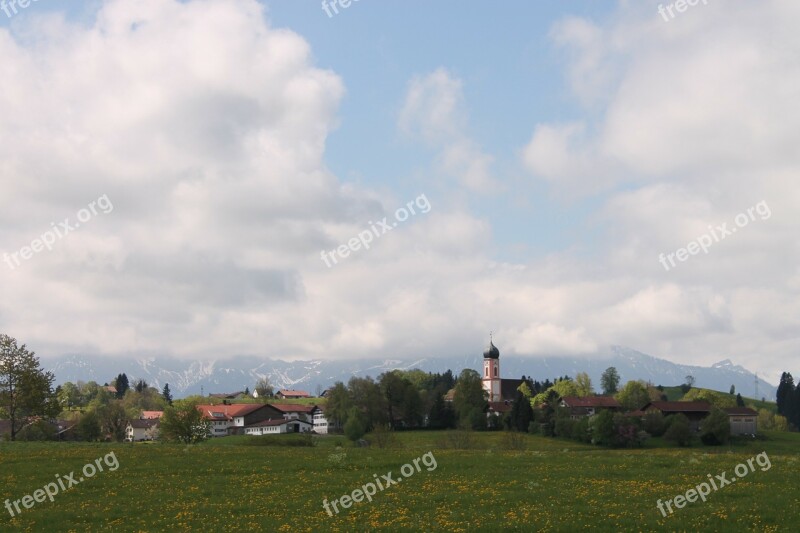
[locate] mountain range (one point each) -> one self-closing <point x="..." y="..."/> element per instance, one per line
<point x="187" y="377"/>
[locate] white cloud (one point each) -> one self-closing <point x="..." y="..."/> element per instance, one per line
<point x="435" y="112"/>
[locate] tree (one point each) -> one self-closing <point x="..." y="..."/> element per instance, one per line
<point x="338" y="405"/>
<point x="184" y="423"/>
<point x="715" y="429"/>
<point x="690" y="381"/>
<point x="717" y="399"/>
<point x="69" y="396"/>
<point x="441" y="415"/>
<point x="122" y="385"/>
<point x="634" y="395"/>
<point x="733" y="390"/>
<point x="26" y="390"/>
<point x="113" y="420"/>
<point x="679" y="431"/>
<point x="609" y="381"/>
<point x="88" y="427"/>
<point x="366" y="396"/>
<point x="166" y="394"/>
<point x="139" y="385"/>
<point x="521" y="414"/>
<point x="583" y="383"/>
<point x="469" y="399"/>
<point x="739" y="400"/>
<point x="356" y="426"/>
<point x="264" y="388"/>
<point x="601" y="428"/>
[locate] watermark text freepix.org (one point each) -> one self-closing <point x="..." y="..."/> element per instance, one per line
<point x="9" y="6"/>
<point x="326" y="6"/>
<point x="368" y="490"/>
<point x="716" y="234"/>
<point x="680" y="6"/>
<point x="377" y="229"/>
<point x="50" y="490"/>
<point x="49" y="237"/>
<point x="704" y="489"/>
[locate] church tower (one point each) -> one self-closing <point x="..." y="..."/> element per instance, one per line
<point x="491" y="372"/>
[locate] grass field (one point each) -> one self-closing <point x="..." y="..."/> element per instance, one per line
<point x="553" y="485"/>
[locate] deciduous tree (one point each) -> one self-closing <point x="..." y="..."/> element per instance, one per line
<point x="26" y="390"/>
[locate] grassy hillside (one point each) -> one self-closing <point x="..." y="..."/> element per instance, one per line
<point x="676" y="394"/>
<point x="552" y="485"/>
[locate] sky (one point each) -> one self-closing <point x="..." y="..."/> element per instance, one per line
<point x="206" y="179"/>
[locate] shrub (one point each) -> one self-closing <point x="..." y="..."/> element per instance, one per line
<point x="626" y="432"/>
<point x="513" y="441"/>
<point x="534" y="428"/>
<point x="37" y="431"/>
<point x="564" y="427"/>
<point x="382" y="436"/>
<point x="678" y="431"/>
<point x="457" y="439"/>
<point x="580" y="430"/>
<point x="655" y="424"/>
<point x="602" y="428"/>
<point x="355" y="428"/>
<point x="715" y="429"/>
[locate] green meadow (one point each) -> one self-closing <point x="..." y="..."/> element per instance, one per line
<point x="550" y="485"/>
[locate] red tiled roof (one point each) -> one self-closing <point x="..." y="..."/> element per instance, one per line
<point x="293" y="393"/>
<point x="591" y="401"/>
<point x="152" y="414"/>
<point x="679" y="407"/>
<point x="229" y="411"/>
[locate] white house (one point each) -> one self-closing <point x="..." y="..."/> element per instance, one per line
<point x="232" y="419"/>
<point x="139" y="430"/>
<point x="321" y="423"/>
<point x="274" y="427"/>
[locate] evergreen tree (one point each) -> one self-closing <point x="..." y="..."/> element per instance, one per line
<point x="166" y="394"/>
<point x="122" y="385"/>
<point x="521" y="414"/>
<point x="786" y="384"/>
<point x="733" y="390"/>
<point x="739" y="400"/>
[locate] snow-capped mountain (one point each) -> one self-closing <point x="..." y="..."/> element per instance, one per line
<point x="234" y="374"/>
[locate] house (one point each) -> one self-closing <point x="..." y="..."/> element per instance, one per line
<point x="296" y="411"/>
<point x="743" y="420"/>
<point x="141" y="430"/>
<point x="321" y="423"/>
<point x="151" y="415"/>
<point x="232" y="419"/>
<point x="588" y="405"/>
<point x="294" y="394"/>
<point x="227" y="395"/>
<point x="694" y="411"/>
<point x="324" y="394"/>
<point x="110" y="388"/>
<point x="274" y="427"/>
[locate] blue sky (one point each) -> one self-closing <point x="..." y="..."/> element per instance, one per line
<point x="566" y="150"/>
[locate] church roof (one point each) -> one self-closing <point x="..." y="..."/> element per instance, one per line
<point x="491" y="351"/>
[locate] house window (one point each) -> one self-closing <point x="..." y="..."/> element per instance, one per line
<point x="487" y="371"/>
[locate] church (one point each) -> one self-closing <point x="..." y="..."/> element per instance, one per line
<point x="500" y="392"/>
